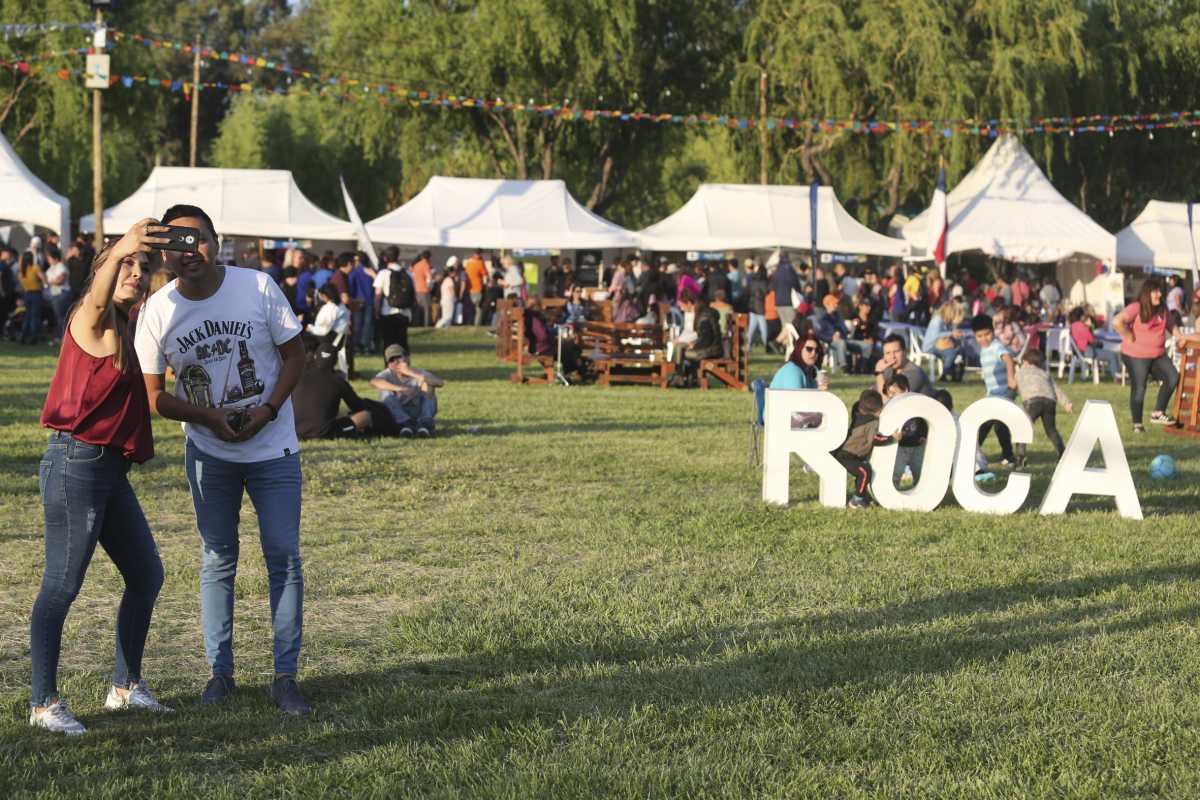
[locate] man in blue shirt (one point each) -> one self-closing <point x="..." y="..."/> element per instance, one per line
<point x="831" y="329"/>
<point x="305" y="290"/>
<point x="322" y="273"/>
<point x="999" y="378"/>
<point x="783" y="282"/>
<point x="362" y="290"/>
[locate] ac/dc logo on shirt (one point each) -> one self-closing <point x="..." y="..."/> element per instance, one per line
<point x="212" y="328"/>
<point x="224" y="386"/>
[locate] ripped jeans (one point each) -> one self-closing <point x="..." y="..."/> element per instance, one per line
<point x="274" y="488"/>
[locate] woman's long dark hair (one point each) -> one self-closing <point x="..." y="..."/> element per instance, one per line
<point x="1147" y="310"/>
<point x="797" y="357"/>
<point x="121" y="324"/>
<point x="26" y="262"/>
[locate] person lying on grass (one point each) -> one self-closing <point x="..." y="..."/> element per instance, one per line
<point x="409" y="393"/>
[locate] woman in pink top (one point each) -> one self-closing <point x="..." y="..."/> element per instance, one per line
<point x="1143" y="326"/>
<point x="1087" y="343"/>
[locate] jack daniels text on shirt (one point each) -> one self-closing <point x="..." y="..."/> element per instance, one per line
<point x="219" y="348"/>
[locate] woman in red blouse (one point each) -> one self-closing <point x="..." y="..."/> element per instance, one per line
<point x="100" y="424"/>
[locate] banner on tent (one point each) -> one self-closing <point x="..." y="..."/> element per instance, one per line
<point x="708" y="255"/>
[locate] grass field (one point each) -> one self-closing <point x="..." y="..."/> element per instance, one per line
<point x="586" y="597"/>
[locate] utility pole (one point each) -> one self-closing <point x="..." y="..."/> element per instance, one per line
<point x="195" y="100"/>
<point x="98" y="152"/>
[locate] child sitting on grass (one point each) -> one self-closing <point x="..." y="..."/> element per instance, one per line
<point x="1041" y="395"/>
<point x="862" y="438"/>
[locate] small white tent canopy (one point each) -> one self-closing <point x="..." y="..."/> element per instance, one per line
<point x="25" y="198"/>
<point x="1007" y="207"/>
<point x="722" y="216"/>
<point x="1160" y="237"/>
<point x="497" y="214"/>
<point x="241" y="202"/>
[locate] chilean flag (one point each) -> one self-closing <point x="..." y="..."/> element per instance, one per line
<point x="939" y="223"/>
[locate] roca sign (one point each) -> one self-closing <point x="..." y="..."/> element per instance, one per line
<point x="949" y="462"/>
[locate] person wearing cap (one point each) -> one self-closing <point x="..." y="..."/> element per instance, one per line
<point x="318" y="398"/>
<point x="831" y="330"/>
<point x="410" y="394"/>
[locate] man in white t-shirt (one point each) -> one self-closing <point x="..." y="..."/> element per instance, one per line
<point x="394" y="284"/>
<point x="59" y="289"/>
<point x="234" y="345"/>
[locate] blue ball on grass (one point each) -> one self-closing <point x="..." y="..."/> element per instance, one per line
<point x="1163" y="467"/>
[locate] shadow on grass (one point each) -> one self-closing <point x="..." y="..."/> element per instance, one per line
<point x="556" y="684"/>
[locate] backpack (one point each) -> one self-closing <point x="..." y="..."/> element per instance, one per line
<point x="401" y="293"/>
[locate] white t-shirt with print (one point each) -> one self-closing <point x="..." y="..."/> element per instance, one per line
<point x="224" y="351"/>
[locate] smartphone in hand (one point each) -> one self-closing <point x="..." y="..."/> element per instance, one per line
<point x="182" y="239"/>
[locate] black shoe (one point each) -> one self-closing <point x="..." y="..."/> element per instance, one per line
<point x="424" y="433"/>
<point x="286" y="695"/>
<point x="218" y="689"/>
<point x="406" y="433"/>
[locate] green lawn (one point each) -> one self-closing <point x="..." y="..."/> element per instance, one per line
<point x="586" y="597"/>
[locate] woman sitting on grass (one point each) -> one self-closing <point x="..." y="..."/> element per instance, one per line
<point x="100" y="418"/>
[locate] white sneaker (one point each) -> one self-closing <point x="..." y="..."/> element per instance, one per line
<point x="57" y="718"/>
<point x="138" y="696"/>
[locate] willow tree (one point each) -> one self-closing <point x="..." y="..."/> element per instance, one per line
<point x="636" y="55"/>
<point x="891" y="61"/>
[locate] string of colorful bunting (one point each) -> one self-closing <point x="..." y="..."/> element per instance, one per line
<point x="345" y="88"/>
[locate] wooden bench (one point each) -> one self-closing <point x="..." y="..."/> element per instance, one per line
<point x="512" y="347"/>
<point x="625" y="352"/>
<point x="733" y="371"/>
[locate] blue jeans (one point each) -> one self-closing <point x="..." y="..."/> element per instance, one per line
<point x="908" y="456"/>
<point x="1109" y="357"/>
<point x="947" y="356"/>
<point x="420" y="409"/>
<point x="87" y="499"/>
<point x="274" y="488"/>
<point x="31" y="325"/>
<point x="60" y="304"/>
<point x="1140" y="372"/>
<point x="758" y="322"/>
<point x="362" y="322"/>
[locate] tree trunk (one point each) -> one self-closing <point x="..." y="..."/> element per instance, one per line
<point x="11" y="102"/>
<point x="763" y="139"/>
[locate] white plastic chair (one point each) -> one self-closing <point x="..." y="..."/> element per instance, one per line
<point x="919" y="356"/>
<point x="1082" y="363"/>
<point x="1060" y="348"/>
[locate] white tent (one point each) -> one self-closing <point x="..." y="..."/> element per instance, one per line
<point x="25" y="198"/>
<point x="241" y="202"/>
<point x="497" y="214"/>
<point x="1160" y="237"/>
<point x="1007" y="207"/>
<point x="723" y="216"/>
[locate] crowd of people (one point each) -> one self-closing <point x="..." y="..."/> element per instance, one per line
<point x="39" y="286"/>
<point x="1012" y="363"/>
<point x="260" y="360"/>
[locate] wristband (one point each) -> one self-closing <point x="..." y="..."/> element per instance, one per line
<point x="274" y="411"/>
